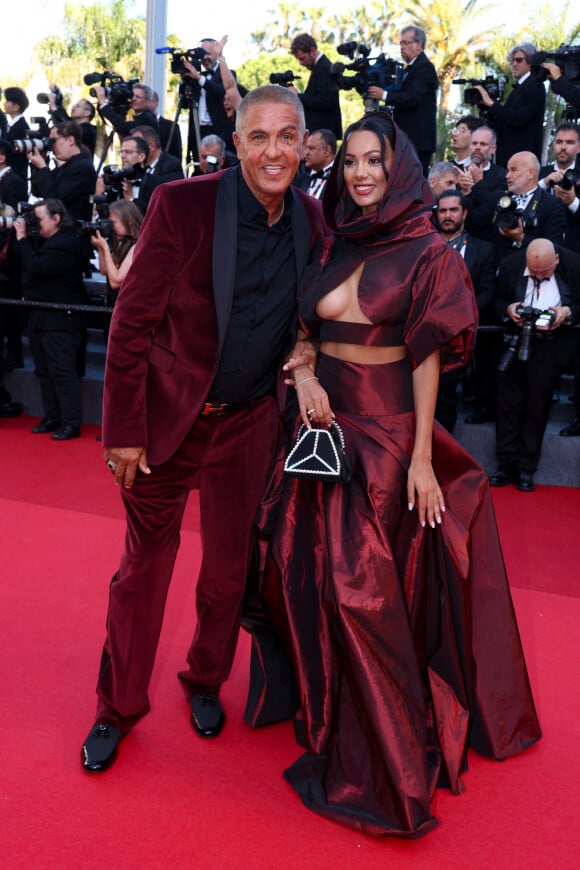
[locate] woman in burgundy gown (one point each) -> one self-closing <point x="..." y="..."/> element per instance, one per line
<point x="390" y="592"/>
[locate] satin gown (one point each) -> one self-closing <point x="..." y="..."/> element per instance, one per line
<point x="403" y="639"/>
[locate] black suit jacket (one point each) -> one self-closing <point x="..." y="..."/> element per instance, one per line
<point x="572" y="232"/>
<point x="481" y="261"/>
<point x="320" y="100"/>
<point x="519" y="122"/>
<point x="415" y="105"/>
<point x="12" y="189"/>
<point x="570" y="92"/>
<point x="124" y="127"/>
<point x="73" y="183"/>
<point x="167" y="168"/>
<point x="19" y="162"/>
<point x="176" y="147"/>
<point x="482" y="200"/>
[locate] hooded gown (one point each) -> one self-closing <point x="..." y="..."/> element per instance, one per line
<point x="403" y="639"/>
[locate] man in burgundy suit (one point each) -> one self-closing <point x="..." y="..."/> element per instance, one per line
<point x="193" y="397"/>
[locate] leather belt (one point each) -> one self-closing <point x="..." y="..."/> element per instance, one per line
<point x="217" y="409"/>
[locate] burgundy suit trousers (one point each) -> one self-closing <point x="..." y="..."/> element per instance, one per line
<point x="227" y="458"/>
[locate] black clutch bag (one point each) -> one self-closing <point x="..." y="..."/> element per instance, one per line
<point x="319" y="454"/>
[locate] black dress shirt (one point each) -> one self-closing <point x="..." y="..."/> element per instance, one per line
<point x="263" y="315"/>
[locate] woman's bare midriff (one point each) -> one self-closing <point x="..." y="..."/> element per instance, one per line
<point x="342" y="304"/>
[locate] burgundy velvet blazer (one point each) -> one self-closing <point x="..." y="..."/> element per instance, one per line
<point x="172" y="313"/>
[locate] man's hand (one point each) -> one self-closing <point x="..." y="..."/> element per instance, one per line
<point x="375" y="93"/>
<point x="123" y="463"/>
<point x="464" y="180"/>
<point x="516" y="235"/>
<point x="554" y="71"/>
<point x="36" y="159"/>
<point x="561" y="314"/>
<point x="485" y="97"/>
<point x="511" y="312"/>
<point x="20" y="228"/>
<point x="567" y="196"/>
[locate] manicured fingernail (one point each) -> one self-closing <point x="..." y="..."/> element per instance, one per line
<point x="422" y="524"/>
<point x="443" y="508"/>
<point x="410" y="505"/>
<point x="439" y="519"/>
<point x="432" y="524"/>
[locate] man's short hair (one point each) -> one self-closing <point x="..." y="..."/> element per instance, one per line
<point x="450" y="191"/>
<point x="212" y="140"/>
<point x="489" y="130"/>
<point x="527" y="48"/>
<point x="140" y="144"/>
<point x="327" y="136"/>
<point x="418" y="34"/>
<point x="150" y="134"/>
<point x="303" y="42"/>
<point x="18" y="96"/>
<point x="269" y="94"/>
<point x="70" y="128"/>
<point x="569" y="127"/>
<point x="439" y="169"/>
<point x="90" y="108"/>
<point x="147" y="91"/>
<point x="470" y="121"/>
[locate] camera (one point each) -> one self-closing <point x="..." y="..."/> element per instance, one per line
<point x="382" y="71"/>
<point x="114" y="177"/>
<point x="520" y="344"/>
<point x="118" y="92"/>
<point x="494" y="88"/>
<point x="44" y="98"/>
<point x="567" y="57"/>
<point x="103" y="225"/>
<point x="27" y="146"/>
<point x="193" y="55"/>
<point x="507" y="214"/>
<point x="283" y="78"/>
<point x="568" y="180"/>
<point x="26" y="211"/>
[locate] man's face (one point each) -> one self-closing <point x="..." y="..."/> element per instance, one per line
<point x="306" y="58"/>
<point x="269" y="147"/>
<point x="410" y="47"/>
<point x="318" y="154"/>
<point x="482" y="147"/>
<point x="11" y="108"/>
<point x="450" y="215"/>
<point x="442" y="182"/>
<point x="139" y="102"/>
<point x="519" y="65"/>
<point x="129" y="153"/>
<point x="49" y="224"/>
<point x="63" y="147"/>
<point x="209" y="59"/>
<point x="80" y="111"/>
<point x="521" y="176"/>
<point x="566" y="147"/>
<point x="460" y="137"/>
<point x="210" y="151"/>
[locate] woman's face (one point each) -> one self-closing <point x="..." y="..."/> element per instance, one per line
<point x="118" y="225"/>
<point x="364" y="171"/>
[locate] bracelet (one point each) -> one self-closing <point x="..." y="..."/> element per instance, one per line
<point x="313" y="378"/>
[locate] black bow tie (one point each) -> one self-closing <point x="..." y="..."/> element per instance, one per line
<point x="320" y="173"/>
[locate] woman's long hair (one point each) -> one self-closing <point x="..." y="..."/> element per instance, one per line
<point x="131" y="218"/>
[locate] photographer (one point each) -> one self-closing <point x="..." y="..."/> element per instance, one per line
<point x="212" y="116"/>
<point x="142" y="104"/>
<point x="82" y="113"/>
<point x="561" y="85"/>
<point x="116" y="253"/>
<point x="519" y="122"/>
<point x="562" y="179"/>
<point x="415" y="105"/>
<point x="529" y="212"/>
<point x="52" y="272"/>
<point x="15" y="104"/>
<point x="12" y="185"/>
<point x="482" y="182"/>
<point x="125" y="182"/>
<point x="541" y="279"/>
<point x="320" y="98"/>
<point x="159" y="168"/>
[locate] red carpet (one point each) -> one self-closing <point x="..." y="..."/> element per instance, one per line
<point x="175" y="801"/>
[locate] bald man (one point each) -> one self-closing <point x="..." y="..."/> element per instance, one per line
<point x="538" y="214"/>
<point x="543" y="278"/>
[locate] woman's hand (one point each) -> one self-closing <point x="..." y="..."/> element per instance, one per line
<point x="97" y="241"/>
<point x="424" y="493"/>
<point x="312" y="399"/>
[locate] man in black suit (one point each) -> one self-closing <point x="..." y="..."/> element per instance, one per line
<point x="82" y="112"/>
<point x="562" y="85"/>
<point x="562" y="179"/>
<point x="167" y="129"/>
<point x="451" y="213"/>
<point x="159" y="167"/>
<point x="482" y="182"/>
<point x="15" y="104"/>
<point x="543" y="277"/>
<point x="415" y="105"/>
<point x="141" y="103"/>
<point x="210" y="92"/>
<point x="320" y="98"/>
<point x="537" y="215"/>
<point x="319" y="157"/>
<point x="520" y="120"/>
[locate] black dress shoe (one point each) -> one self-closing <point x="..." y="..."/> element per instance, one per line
<point x="573" y="428"/>
<point x="100" y="748"/>
<point x="10" y="409"/>
<point x="49" y="424"/>
<point x="207" y="715"/>
<point x="502" y="477"/>
<point x="66" y="432"/>
<point x="525" y="482"/>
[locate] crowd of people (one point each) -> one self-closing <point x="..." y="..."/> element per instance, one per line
<point x="349" y="291"/>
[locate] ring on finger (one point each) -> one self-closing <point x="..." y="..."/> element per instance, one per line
<point x="112" y="465"/>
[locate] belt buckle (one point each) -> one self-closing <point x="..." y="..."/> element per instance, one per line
<point x="214" y="408"/>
